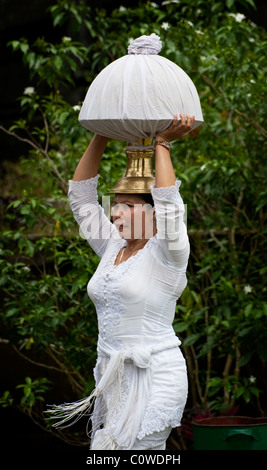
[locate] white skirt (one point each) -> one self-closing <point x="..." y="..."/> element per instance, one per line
<point x="165" y="400"/>
<point x="140" y="395"/>
<point x="154" y="441"/>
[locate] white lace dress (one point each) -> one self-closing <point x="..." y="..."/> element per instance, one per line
<point x="141" y="378"/>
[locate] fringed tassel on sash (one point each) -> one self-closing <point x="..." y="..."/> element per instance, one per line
<point x="68" y="414"/>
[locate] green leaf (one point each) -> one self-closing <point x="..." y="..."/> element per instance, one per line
<point x="191" y="339"/>
<point x="6" y="400"/>
<point x="248" y="309"/>
<point x="27" y="391"/>
<point x="24" y="48"/>
<point x="180" y="326"/>
<point x="230" y="3"/>
<point x="215" y="381"/>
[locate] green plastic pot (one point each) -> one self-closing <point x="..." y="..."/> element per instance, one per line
<point x="230" y="433"/>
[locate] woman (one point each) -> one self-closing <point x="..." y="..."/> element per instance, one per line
<point x="141" y="379"/>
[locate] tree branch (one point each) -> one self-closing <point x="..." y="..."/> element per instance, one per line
<point x="251" y="121"/>
<point x="44" y="151"/>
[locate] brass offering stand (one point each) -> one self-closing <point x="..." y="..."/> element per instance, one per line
<point x="139" y="171"/>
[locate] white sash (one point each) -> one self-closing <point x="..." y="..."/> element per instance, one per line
<point x="122" y="431"/>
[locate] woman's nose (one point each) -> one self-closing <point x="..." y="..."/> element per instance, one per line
<point x="117" y="211"/>
<point x="118" y="215"/>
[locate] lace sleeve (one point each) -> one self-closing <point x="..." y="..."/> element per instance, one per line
<point x="95" y="226"/>
<point x="171" y="227"/>
<point x="89" y="185"/>
<point x="170" y="193"/>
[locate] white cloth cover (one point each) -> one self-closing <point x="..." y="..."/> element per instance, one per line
<point x="137" y="95"/>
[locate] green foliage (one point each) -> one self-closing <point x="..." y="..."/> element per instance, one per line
<point x="6" y="400"/>
<point x="221" y="316"/>
<point x="33" y="390"/>
<point x="54" y="64"/>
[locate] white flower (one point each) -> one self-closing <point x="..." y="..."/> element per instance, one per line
<point x="203" y="167"/>
<point x="251" y="39"/>
<point x="154" y="5"/>
<point x="66" y="39"/>
<point x="240" y="17"/>
<point x="203" y="58"/>
<point x="26" y="269"/>
<point x="252" y="379"/>
<point x="130" y="40"/>
<point x="29" y="90"/>
<point x="190" y="23"/>
<point x="237" y="16"/>
<point x="122" y="9"/>
<point x="167" y="2"/>
<point x="76" y="107"/>
<point x="252" y="81"/>
<point x="247" y="289"/>
<point x="165" y="26"/>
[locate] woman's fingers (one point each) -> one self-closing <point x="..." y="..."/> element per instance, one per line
<point x="182" y="116"/>
<point x="190" y="121"/>
<point x="175" y="121"/>
<point x="178" y="128"/>
<point x="187" y="121"/>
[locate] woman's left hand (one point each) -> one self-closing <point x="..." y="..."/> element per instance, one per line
<point x="177" y="129"/>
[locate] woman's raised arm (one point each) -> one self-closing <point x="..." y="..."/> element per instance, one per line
<point x="164" y="172"/>
<point x="89" y="164"/>
<point x="169" y="207"/>
<point x="95" y="226"/>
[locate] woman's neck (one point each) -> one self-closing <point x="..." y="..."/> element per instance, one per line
<point x="139" y="243"/>
<point x="134" y="245"/>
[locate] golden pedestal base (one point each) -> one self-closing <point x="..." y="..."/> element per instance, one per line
<point x="139" y="171"/>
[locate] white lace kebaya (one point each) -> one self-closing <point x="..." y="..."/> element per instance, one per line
<point x="141" y="378"/>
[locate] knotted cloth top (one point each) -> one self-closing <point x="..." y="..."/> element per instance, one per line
<point x="145" y="45"/>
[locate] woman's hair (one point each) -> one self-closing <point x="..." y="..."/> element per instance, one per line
<point x="147" y="197"/>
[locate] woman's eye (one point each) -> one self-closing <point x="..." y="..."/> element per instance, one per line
<point x="121" y="207"/>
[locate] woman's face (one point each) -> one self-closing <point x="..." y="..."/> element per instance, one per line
<point x="132" y="216"/>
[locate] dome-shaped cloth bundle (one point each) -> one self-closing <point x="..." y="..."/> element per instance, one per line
<point x="137" y="95"/>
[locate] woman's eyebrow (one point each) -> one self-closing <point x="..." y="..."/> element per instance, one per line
<point x="122" y="202"/>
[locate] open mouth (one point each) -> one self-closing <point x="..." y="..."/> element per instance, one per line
<point x="119" y="225"/>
